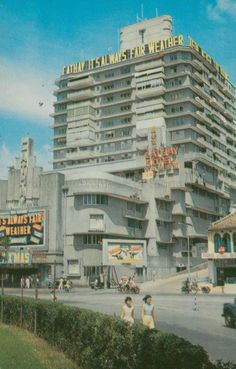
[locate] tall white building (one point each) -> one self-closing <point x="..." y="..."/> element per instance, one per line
<point x="144" y="140"/>
<point x="159" y="113"/>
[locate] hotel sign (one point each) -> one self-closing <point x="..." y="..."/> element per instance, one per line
<point x="23" y="228"/>
<point x="159" y="160"/>
<point x="123" y="55"/>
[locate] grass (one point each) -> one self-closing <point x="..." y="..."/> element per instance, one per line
<point x="22" y="350"/>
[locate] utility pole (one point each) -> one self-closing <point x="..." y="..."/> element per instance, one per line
<point x="2" y="283"/>
<point x="54" y="282"/>
<point x="35" y="311"/>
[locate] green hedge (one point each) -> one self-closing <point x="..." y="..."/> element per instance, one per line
<point x="97" y="341"/>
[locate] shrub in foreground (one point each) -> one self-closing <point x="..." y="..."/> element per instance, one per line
<point x="97" y="341"/>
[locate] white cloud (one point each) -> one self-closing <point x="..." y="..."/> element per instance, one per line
<point x="23" y="90"/>
<point x="222" y="8"/>
<point x="7" y="158"/>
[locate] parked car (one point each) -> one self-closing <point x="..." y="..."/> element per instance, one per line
<point x="229" y="313"/>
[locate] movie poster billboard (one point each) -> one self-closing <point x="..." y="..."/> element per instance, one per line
<point x="23" y="228"/>
<point x="117" y="252"/>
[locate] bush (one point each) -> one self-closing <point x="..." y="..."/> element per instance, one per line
<point x="97" y="341"/>
<point x="228" y="365"/>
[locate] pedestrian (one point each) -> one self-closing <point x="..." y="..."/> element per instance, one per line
<point x="22" y="282"/>
<point x="222" y="284"/>
<point x="127" y="311"/>
<point x="53" y="296"/>
<point x="148" y="317"/>
<point x="30" y="281"/>
<point x="102" y="280"/>
<point x="68" y="285"/>
<point x="61" y="283"/>
<point x="37" y="281"/>
<point x="27" y="282"/>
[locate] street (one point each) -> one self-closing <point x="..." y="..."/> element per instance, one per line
<point x="175" y="314"/>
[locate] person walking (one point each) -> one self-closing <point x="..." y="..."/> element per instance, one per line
<point x="148" y="316"/>
<point x="61" y="284"/>
<point x="27" y="282"/>
<point x="127" y="311"/>
<point x="22" y="282"/>
<point x="37" y="282"/>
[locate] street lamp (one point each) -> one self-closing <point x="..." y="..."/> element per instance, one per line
<point x="188" y="247"/>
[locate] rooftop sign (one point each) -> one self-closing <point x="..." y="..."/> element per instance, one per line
<point x="207" y="57"/>
<point x="135" y="52"/>
<point x="138" y="51"/>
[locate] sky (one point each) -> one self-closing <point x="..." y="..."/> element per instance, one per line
<point x="39" y="37"/>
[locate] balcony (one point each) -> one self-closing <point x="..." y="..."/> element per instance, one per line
<point x="229" y="91"/>
<point x="142" y="146"/>
<point x="83" y="95"/>
<point x="132" y="214"/>
<point x="81" y="83"/>
<point x="149" y="92"/>
<point x="216" y="104"/>
<point x="198" y="65"/>
<point x="191" y="178"/>
<point x="179" y="232"/>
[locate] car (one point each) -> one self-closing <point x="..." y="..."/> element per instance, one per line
<point x="229" y="313"/>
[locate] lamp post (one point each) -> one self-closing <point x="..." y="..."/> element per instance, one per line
<point x="188" y="247"/>
<point x="54" y="281"/>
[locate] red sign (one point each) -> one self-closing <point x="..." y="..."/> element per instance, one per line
<point x="161" y="159"/>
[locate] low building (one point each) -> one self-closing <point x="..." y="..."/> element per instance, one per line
<point x="221" y="253"/>
<point x="31" y="241"/>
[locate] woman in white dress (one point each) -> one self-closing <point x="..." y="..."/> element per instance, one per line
<point x="127" y="311"/>
<point x="148" y="314"/>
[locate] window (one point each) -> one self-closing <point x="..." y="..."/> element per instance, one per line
<point x="133" y="223"/>
<point x="139" y="272"/>
<point x="177" y="109"/>
<point x="92" y="270"/>
<point x="109" y="87"/>
<point x="162" y="205"/>
<point x="226" y="242"/>
<point x="95" y="199"/>
<point x="125" y="70"/>
<point x="92" y="239"/>
<point x="173" y="57"/>
<point x="60" y="119"/>
<point x="60" y="107"/>
<point x="96" y="222"/>
<point x="73" y="267"/>
<point x="130" y="206"/>
<point x="234" y="242"/>
<point x="125" y="107"/>
<point x="109" y="75"/>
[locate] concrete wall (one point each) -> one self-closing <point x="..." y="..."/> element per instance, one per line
<point x="51" y="198"/>
<point x="3" y="194"/>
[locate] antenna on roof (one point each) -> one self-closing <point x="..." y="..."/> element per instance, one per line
<point x="141" y="11"/>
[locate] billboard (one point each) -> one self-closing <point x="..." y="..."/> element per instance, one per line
<point x="15" y="257"/>
<point x="22" y="228"/>
<point x="117" y="252"/>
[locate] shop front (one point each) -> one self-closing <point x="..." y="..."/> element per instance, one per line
<point x="221" y="253"/>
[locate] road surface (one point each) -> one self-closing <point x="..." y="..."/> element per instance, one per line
<point x="175" y="314"/>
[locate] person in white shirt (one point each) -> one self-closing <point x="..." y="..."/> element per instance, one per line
<point x="127" y="311"/>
